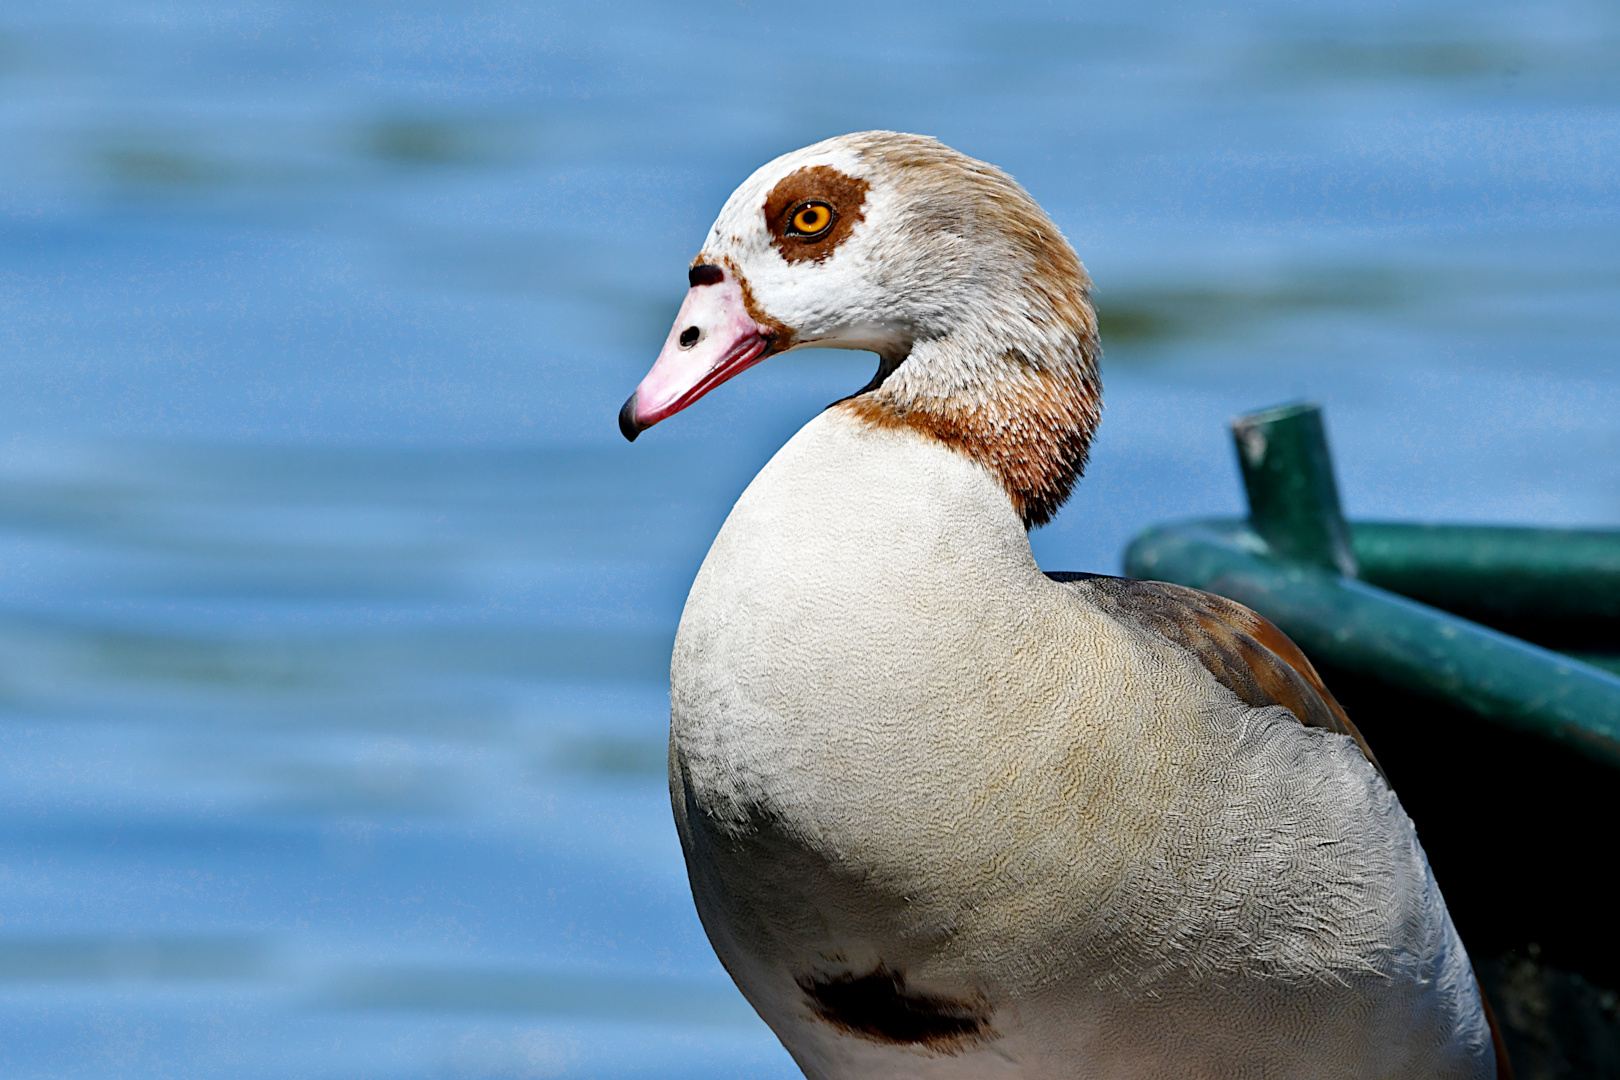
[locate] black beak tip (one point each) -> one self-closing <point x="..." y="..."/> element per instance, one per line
<point x="627" y="419"/>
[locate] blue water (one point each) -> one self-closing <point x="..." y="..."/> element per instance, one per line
<point x="334" y="612"/>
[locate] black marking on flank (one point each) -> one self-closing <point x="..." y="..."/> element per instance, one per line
<point x="879" y="1007"/>
<point x="627" y="419"/>
<point x="704" y="274"/>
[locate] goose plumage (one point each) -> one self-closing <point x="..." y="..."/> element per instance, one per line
<point x="945" y="815"/>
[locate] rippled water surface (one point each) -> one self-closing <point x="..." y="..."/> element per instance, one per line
<point x="334" y="613"/>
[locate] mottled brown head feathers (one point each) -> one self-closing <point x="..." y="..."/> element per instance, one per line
<point x="1033" y="435"/>
<point x="1005" y="369"/>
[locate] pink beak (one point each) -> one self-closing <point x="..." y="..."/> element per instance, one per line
<point x="713" y="339"/>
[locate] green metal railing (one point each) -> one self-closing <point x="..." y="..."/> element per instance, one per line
<point x="1405" y="604"/>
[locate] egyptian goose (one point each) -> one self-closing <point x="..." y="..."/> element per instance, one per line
<point x="945" y="815"/>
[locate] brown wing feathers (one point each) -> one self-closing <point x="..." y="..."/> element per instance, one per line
<point x="1249" y="656"/>
<point x="1244" y="652"/>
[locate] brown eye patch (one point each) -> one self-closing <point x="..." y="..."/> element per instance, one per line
<point x="811" y="211"/>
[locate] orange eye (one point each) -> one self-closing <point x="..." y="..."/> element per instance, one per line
<point x="811" y="220"/>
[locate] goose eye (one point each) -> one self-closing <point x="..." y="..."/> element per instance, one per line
<point x="810" y="220"/>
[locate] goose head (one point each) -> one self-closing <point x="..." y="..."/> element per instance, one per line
<point x="978" y="309"/>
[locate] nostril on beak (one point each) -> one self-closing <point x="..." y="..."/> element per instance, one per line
<point x="689" y="337"/>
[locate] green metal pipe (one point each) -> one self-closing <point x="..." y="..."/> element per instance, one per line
<point x="1606" y="661"/>
<point x="1293" y="497"/>
<point x="1410" y="645"/>
<point x="1496" y="573"/>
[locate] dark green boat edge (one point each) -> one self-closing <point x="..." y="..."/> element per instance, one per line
<point x="1358" y="626"/>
